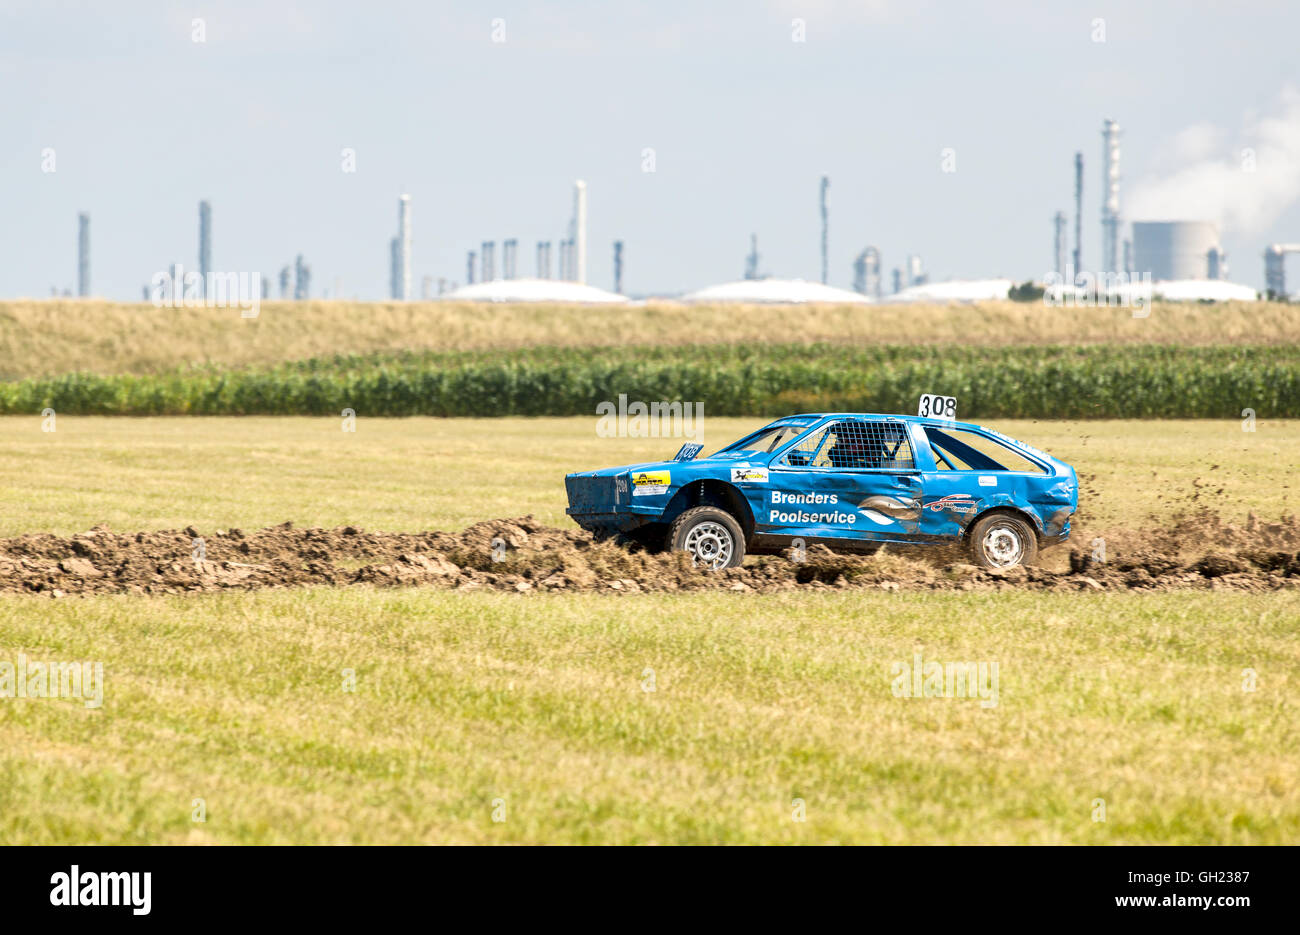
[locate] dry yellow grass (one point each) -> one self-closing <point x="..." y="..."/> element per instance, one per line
<point x="48" y="337"/>
<point x="534" y="709"/>
<point x="495" y="718"/>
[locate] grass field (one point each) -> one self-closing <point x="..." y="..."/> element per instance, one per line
<point x="52" y="337"/>
<point x="537" y="709"/>
<point x="534" y="706"/>
<point x="420" y="473"/>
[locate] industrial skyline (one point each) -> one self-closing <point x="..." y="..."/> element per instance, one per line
<point x="687" y="163"/>
<point x="1163" y="250"/>
<point x="1166" y="250"/>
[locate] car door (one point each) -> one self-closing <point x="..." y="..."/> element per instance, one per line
<point x="969" y="473"/>
<point x="850" y="479"/>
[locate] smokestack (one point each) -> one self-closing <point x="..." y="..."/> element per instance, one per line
<point x="579" y="243"/>
<point x="1078" y="213"/>
<point x="826" y="183"/>
<point x="1275" y="269"/>
<point x="83" y="254"/>
<point x="508" y="248"/>
<point x="1058" y="243"/>
<point x="302" y="279"/>
<point x="404" y="234"/>
<point x="1110" y="205"/>
<point x="395" y="269"/>
<point x="751" y="260"/>
<point x="1216" y="263"/>
<point x="915" y="274"/>
<point x="618" y="266"/>
<point x="205" y="243"/>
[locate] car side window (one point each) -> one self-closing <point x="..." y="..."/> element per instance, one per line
<point x="807" y="450"/>
<point x="855" y="444"/>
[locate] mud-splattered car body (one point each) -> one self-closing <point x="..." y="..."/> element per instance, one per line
<point x="847" y="480"/>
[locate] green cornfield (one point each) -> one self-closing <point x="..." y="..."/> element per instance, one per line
<point x="1060" y="381"/>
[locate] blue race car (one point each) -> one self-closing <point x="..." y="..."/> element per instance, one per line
<point x="850" y="481"/>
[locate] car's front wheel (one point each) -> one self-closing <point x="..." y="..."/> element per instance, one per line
<point x="711" y="536"/>
<point x="1001" y="540"/>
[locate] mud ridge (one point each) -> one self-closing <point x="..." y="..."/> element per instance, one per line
<point x="1193" y="551"/>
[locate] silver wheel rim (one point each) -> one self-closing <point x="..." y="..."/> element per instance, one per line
<point x="710" y="545"/>
<point x="1003" y="546"/>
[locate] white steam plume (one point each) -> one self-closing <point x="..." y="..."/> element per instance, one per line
<point x="1245" y="189"/>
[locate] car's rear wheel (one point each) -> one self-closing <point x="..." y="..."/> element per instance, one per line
<point x="1001" y="540"/>
<point x="711" y="536"/>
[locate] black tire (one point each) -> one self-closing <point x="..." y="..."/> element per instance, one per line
<point x="1003" y="540"/>
<point x="711" y="536"/>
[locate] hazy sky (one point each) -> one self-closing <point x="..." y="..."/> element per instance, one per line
<point x="488" y="136"/>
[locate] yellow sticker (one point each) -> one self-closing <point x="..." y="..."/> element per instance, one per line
<point x="650" y="483"/>
<point x="652" y="479"/>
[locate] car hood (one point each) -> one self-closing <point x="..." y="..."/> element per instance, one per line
<point x="722" y="459"/>
<point x="625" y="468"/>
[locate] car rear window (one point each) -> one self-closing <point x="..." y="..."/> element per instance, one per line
<point x="964" y="450"/>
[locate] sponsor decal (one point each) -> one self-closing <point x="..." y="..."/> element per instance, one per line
<point x="757" y="475"/>
<point x="650" y="483"/>
<point x="803" y="518"/>
<point x="885" y="511"/>
<point x="802" y="499"/>
<point x="987" y="480"/>
<point x="955" y="503"/>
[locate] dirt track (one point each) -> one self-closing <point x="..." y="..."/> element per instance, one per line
<point x="1196" y="552"/>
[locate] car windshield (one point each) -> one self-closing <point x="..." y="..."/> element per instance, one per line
<point x="767" y="440"/>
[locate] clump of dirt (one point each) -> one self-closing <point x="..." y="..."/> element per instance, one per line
<point x="1192" y="551"/>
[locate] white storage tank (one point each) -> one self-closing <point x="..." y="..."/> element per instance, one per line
<point x="1174" y="250"/>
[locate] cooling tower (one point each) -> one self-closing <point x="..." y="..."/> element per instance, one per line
<point x="1173" y="250"/>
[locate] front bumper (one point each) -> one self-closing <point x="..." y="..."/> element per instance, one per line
<point x="1055" y="539"/>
